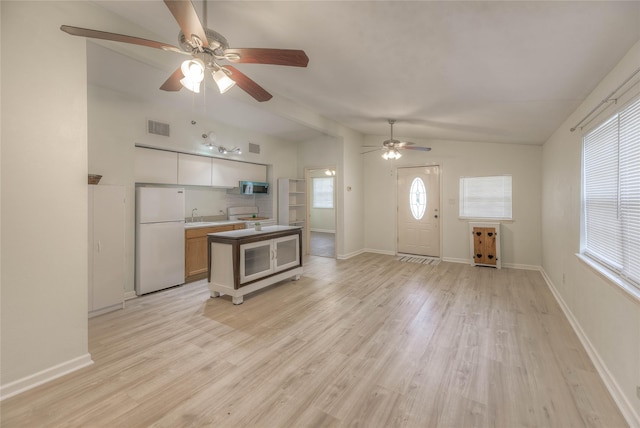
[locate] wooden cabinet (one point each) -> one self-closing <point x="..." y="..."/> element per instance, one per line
<point x="106" y="264"/>
<point x="485" y="244"/>
<point x="194" y="170"/>
<point x="155" y="166"/>
<point x="196" y="262"/>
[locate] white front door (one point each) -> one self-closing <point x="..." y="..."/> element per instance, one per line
<point x="419" y="210"/>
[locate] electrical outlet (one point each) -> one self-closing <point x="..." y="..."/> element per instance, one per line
<point x="564" y="278"/>
<point x="638" y="391"/>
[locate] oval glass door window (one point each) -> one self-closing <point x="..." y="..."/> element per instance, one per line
<point x="417" y="198"/>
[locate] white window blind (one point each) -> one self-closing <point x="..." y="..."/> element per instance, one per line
<point x="322" y="196"/>
<point x="612" y="193"/>
<point x="486" y="197"/>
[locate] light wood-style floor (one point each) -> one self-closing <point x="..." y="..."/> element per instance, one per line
<point x="370" y="342"/>
<point x="322" y="244"/>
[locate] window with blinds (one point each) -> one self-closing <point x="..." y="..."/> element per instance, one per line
<point x="485" y="197"/>
<point x="611" y="189"/>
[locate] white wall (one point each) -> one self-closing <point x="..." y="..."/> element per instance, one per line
<point x="44" y="193"/>
<point x="608" y="320"/>
<point x="320" y="152"/>
<point x="341" y="150"/>
<point x="117" y="122"/>
<point x="521" y="238"/>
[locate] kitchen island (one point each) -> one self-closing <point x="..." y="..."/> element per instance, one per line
<point x="243" y="261"/>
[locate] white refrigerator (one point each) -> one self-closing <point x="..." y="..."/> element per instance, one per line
<point x="159" y="238"/>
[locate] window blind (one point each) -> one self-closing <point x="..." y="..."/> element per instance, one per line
<point x="322" y="196"/>
<point x="611" y="168"/>
<point x="486" y="197"/>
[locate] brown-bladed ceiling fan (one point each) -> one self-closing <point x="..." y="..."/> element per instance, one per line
<point x="207" y="48"/>
<point x="392" y="146"/>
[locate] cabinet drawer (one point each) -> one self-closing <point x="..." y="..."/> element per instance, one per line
<point x="203" y="231"/>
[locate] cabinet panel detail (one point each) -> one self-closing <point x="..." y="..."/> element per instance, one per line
<point x="155" y="166"/>
<point x="485" y="244"/>
<point x="194" y="170"/>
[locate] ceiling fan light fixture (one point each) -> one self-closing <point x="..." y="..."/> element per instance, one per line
<point x="223" y="81"/>
<point x="193" y="72"/>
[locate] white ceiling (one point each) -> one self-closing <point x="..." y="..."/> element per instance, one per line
<point x="507" y="72"/>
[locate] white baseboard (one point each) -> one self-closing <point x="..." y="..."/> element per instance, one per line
<point x="128" y="295"/>
<point x="385" y="252"/>
<point x="454" y="260"/>
<point x="322" y="230"/>
<point x="520" y="266"/>
<point x="44" y="376"/>
<point x="627" y="410"/>
<point x="106" y="310"/>
<point x="349" y="255"/>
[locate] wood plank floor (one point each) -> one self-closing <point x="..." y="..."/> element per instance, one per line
<point x="370" y="342"/>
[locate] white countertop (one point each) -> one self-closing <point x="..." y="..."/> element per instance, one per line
<point x="242" y="233"/>
<point x="199" y="224"/>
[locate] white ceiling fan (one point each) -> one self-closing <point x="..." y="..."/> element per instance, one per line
<point x="392" y="146"/>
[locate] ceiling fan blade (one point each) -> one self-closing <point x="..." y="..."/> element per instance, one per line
<point x="404" y="143"/>
<point x="419" y="148"/>
<point x="184" y="12"/>
<point x="371" y="151"/>
<point x="173" y="82"/>
<point x="95" y="34"/>
<point x="290" y="57"/>
<point x="248" y="85"/>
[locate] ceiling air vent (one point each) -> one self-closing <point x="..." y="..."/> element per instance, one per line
<point x="254" y="148"/>
<point x="157" y="128"/>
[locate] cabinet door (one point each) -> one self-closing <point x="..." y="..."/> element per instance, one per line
<point x="108" y="226"/>
<point x="287" y="252"/>
<point x="195" y="257"/>
<point x="253" y="172"/>
<point x="224" y="173"/>
<point x="256" y="260"/>
<point x="155" y="166"/>
<point x="194" y="170"/>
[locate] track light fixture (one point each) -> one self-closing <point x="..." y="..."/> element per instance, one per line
<point x="209" y="141"/>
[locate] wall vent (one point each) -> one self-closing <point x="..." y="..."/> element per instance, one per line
<point x="157" y="128"/>
<point x="254" y="148"/>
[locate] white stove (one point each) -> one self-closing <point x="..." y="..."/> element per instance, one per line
<point x="250" y="216"/>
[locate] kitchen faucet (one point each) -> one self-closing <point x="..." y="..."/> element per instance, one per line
<point x="195" y="209"/>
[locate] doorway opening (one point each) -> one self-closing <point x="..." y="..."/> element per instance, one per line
<point x="418" y="222"/>
<point x="321" y="212"/>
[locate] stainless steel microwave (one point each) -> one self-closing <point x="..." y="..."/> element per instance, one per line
<point x="253" y="187"/>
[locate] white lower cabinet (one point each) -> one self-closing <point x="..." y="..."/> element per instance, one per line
<point x="106" y="258"/>
<point x="260" y="259"/>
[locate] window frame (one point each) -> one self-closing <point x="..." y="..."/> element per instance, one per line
<point x="619" y="275"/>
<point x="313" y="193"/>
<point x="483" y="216"/>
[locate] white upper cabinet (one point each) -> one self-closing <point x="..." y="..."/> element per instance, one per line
<point x="156" y="166"/>
<point x="164" y="167"/>
<point x="253" y="172"/>
<point x="230" y="173"/>
<point x="224" y="173"/>
<point x="194" y="170"/>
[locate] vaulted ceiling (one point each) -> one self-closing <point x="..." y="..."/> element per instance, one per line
<point x="498" y="71"/>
